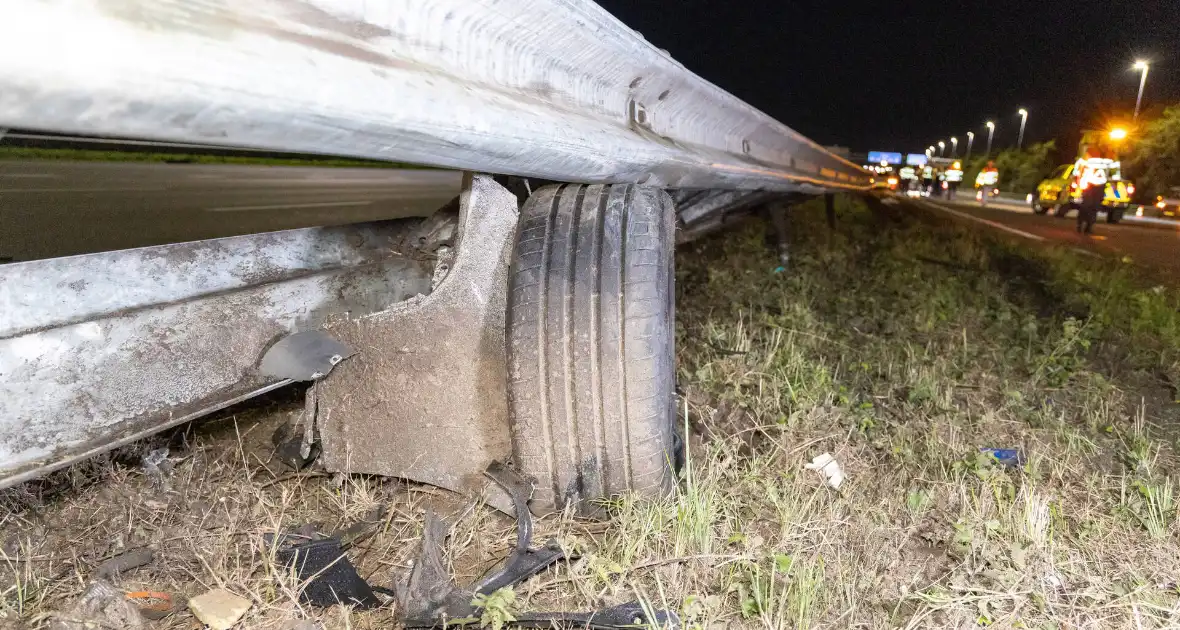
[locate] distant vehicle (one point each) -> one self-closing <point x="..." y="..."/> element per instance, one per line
<point x="1164" y="207"/>
<point x="1062" y="190"/>
<point x="884" y="182"/>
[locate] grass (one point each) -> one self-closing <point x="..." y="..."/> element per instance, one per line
<point x="902" y="346"/>
<point x="96" y="155"/>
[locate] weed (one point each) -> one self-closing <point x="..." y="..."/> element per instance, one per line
<point x="498" y="608"/>
<point x="1151" y="504"/>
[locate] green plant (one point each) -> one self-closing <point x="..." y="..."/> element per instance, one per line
<point x="497" y="609"/>
<point x="780" y="592"/>
<point x="917" y="501"/>
<point x="1151" y="504"/>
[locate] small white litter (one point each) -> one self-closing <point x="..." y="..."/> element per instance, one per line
<point x="828" y="465"/>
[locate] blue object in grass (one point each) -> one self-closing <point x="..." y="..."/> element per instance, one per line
<point x="779" y="269"/>
<point x="1007" y="456"/>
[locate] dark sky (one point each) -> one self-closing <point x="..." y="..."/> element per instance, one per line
<point x="901" y="75"/>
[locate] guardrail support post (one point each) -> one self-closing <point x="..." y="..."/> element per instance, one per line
<point x="778" y="220"/>
<point x="830" y="210"/>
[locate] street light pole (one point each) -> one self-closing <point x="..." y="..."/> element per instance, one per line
<point x="954" y="146"/>
<point x="1023" y="119"/>
<point x="1142" y="67"/>
<point x="970" y="141"/>
<point x="941" y="148"/>
<point x="991" y="131"/>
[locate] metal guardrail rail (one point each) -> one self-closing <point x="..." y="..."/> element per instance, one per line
<point x="554" y="89"/>
<point x="100" y="349"/>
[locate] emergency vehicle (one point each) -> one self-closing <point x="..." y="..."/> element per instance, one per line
<point x="1097" y="165"/>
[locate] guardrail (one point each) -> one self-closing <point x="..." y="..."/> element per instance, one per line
<point x="554" y="89"/>
<point x="551" y="89"/>
<point x="8" y="134"/>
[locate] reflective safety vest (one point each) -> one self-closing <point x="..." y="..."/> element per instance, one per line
<point x="1092" y="172"/>
<point x="988" y="177"/>
<point x="954" y="175"/>
<point x="908" y="173"/>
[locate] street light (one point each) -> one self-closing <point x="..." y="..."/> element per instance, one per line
<point x="1142" y="67"/>
<point x="954" y="145"/>
<point x="1023" y="119"/>
<point x="991" y="131"/>
<point x="1118" y="133"/>
<point x="941" y="148"/>
<point x="970" y="141"/>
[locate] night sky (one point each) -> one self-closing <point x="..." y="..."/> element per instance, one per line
<point x="902" y="75"/>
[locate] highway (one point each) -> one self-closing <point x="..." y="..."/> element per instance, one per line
<point x="1154" y="246"/>
<point x="61" y="208"/>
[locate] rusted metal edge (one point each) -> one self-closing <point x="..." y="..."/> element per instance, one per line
<point x="552" y="89"/>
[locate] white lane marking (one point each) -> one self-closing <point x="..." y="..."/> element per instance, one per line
<point x="1131" y="218"/>
<point x="1128" y="217"/>
<point x="284" y="206"/>
<point x="30" y="175"/>
<point x="77" y="190"/>
<point x="971" y="217"/>
<point x="1086" y="252"/>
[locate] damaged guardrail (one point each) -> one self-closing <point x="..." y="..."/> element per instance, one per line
<point x="555" y="89"/>
<point x="101" y="349"/>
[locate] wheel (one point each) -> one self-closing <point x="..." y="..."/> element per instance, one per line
<point x="1037" y="208"/>
<point x="591" y="369"/>
<point x="1114" y="215"/>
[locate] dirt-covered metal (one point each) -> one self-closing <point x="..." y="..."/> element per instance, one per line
<point x="101" y="349"/>
<point x="424" y="398"/>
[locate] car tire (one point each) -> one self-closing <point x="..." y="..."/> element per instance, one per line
<point x="591" y="363"/>
<point x="1114" y="215"/>
<point x="1037" y="208"/>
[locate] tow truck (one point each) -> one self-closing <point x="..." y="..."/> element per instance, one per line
<point x="1062" y="192"/>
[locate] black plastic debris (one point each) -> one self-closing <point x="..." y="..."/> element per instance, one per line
<point x="329" y="575"/>
<point x="430" y="599"/>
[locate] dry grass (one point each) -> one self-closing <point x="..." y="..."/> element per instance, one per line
<point x="900" y="347"/>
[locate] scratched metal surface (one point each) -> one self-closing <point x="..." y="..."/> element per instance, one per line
<point x="555" y="89"/>
<point x="123" y="344"/>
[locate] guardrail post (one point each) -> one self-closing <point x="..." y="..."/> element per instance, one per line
<point x="778" y="220"/>
<point x="830" y="210"/>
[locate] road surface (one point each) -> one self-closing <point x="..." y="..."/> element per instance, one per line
<point x="1155" y="246"/>
<point x="52" y="208"/>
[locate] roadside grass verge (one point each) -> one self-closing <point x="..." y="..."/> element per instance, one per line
<point x="899" y="345"/>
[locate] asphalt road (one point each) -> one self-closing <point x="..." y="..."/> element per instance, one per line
<point x="52" y="208"/>
<point x="1155" y="247"/>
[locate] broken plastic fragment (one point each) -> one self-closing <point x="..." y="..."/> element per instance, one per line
<point x="828" y="465"/>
